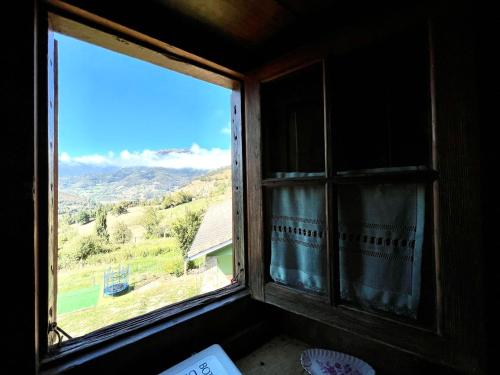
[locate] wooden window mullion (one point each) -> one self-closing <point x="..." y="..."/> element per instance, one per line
<point x="331" y="204"/>
<point x="53" y="177"/>
<point x="238" y="187"/>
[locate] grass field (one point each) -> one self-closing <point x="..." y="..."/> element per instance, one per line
<point x="82" y="307"/>
<point x="156" y="265"/>
<point x="149" y="291"/>
<point x="78" y="299"/>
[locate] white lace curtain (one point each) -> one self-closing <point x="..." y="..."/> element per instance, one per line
<point x="298" y="236"/>
<point x="380" y="230"/>
<point x="380" y="234"/>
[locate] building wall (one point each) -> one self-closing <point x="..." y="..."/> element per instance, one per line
<point x="212" y="277"/>
<point x="224" y="259"/>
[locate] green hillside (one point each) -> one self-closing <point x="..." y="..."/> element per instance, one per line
<point x="156" y="261"/>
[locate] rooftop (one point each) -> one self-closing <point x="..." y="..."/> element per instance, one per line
<point x="215" y="232"/>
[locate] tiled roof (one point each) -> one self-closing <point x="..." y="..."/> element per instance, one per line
<point x="215" y="232"/>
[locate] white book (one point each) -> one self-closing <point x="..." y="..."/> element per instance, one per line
<point x="210" y="361"/>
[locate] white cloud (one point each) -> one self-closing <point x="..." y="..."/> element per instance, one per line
<point x="95" y="159"/>
<point x="196" y="157"/>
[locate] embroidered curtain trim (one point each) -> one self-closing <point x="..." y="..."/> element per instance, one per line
<point x="380" y="234"/>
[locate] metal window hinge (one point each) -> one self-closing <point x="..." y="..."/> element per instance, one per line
<point x="55" y="329"/>
<point x="237" y="278"/>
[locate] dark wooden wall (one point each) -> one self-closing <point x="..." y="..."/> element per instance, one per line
<point x="17" y="115"/>
<point x="488" y="93"/>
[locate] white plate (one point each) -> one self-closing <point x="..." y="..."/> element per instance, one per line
<point x="329" y="362"/>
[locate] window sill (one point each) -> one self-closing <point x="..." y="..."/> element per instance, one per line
<point x="106" y="340"/>
<point x="397" y="333"/>
<point x="280" y="355"/>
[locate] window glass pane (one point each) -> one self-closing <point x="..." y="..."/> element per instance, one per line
<point x="292" y="122"/>
<point x="145" y="194"/>
<point x="380" y="104"/>
<point x="297" y="236"/>
<point x="380" y="233"/>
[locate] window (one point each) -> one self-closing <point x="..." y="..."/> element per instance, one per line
<point x="347" y="181"/>
<point x="165" y="222"/>
<point x="381" y="160"/>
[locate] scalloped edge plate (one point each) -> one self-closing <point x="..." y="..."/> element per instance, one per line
<point x="329" y="362"/>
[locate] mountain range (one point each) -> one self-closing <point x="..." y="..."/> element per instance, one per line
<point x="112" y="184"/>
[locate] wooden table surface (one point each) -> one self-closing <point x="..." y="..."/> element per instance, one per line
<point x="280" y="356"/>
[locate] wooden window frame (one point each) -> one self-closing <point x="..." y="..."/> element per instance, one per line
<point x="446" y="340"/>
<point x="328" y="309"/>
<point x="69" y="20"/>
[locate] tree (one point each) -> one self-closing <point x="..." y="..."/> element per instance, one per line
<point x="68" y="219"/>
<point x="119" y="209"/>
<point x="151" y="222"/>
<point x="89" y="245"/>
<point x="101" y="225"/>
<point x="168" y="201"/>
<point x="175" y="199"/>
<point x="122" y="233"/>
<point x="185" y="229"/>
<point x="83" y="217"/>
<point x="184" y="197"/>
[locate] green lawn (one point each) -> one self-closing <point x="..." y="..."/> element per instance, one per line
<point x="78" y="299"/>
<point x="148" y="295"/>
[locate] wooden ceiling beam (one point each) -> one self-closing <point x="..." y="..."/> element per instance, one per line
<point x="150" y="20"/>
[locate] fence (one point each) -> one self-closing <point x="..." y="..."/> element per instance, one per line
<point x="116" y="282"/>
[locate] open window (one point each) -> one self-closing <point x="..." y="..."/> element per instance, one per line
<point x="138" y="233"/>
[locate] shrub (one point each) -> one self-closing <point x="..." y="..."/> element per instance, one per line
<point x="185" y="228"/>
<point x="89" y="245"/>
<point x="163" y="230"/>
<point x="175" y="266"/>
<point x="175" y="199"/>
<point x="83" y="217"/>
<point x="68" y="252"/>
<point x="67" y="219"/>
<point x="121" y="233"/>
<point x="168" y="201"/>
<point x="119" y="209"/>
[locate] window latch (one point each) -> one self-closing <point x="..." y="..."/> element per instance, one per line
<point x="59" y="332"/>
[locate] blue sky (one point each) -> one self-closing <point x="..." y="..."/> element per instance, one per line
<point x="117" y="110"/>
